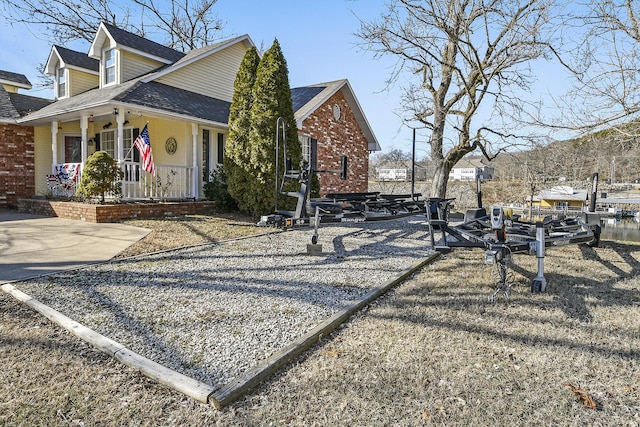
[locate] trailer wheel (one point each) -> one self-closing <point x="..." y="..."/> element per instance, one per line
<point x="596" y="237"/>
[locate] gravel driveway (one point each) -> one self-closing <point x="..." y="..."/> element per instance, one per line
<point x="214" y="311"/>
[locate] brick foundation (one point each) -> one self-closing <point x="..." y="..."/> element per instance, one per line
<point x="17" y="168"/>
<point x="112" y="213"/>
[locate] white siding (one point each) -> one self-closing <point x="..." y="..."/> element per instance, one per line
<point x="132" y="66"/>
<point x="212" y="76"/>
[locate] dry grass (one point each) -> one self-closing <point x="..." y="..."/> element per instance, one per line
<point x="433" y="352"/>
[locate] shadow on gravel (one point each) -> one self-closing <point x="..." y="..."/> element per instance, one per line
<point x="267" y="275"/>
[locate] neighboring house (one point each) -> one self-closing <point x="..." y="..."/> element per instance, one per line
<point x="105" y="98"/>
<point x="469" y="169"/>
<point x="16" y="141"/>
<point x="560" y="198"/>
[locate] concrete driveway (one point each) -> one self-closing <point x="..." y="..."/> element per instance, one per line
<point x="32" y="245"/>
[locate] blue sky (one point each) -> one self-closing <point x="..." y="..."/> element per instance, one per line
<point x="317" y="39"/>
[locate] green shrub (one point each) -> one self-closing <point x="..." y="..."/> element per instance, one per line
<point x="218" y="190"/>
<point x="100" y="175"/>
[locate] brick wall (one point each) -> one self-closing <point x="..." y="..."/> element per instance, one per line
<point x="337" y="138"/>
<point x="112" y="213"/>
<point x="16" y="164"/>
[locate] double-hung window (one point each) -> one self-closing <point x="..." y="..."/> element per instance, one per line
<point x="61" y="81"/>
<point x="108" y="142"/>
<point x="109" y="62"/>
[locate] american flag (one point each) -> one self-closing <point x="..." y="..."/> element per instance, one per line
<point x="143" y="145"/>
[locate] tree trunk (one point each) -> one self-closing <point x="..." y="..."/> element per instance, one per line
<point x="440" y="179"/>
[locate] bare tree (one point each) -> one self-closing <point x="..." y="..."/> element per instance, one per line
<point x="607" y="90"/>
<point x="181" y="24"/>
<point x="459" y="55"/>
<point x="188" y="25"/>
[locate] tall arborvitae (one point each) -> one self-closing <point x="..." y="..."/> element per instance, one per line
<point x="237" y="154"/>
<point x="271" y="99"/>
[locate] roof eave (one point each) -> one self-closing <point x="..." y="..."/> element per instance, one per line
<point x="49" y="68"/>
<point x="16" y="84"/>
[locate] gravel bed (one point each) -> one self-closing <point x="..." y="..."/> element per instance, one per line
<point x="214" y="311"/>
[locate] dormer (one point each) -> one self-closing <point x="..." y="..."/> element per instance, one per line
<point x="12" y="82"/>
<point x="124" y="55"/>
<point x="73" y="72"/>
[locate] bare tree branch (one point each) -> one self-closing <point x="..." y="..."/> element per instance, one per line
<point x="459" y="56"/>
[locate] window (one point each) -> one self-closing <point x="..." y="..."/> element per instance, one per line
<point x="72" y="149"/>
<point x="127" y="143"/>
<point x="220" y="148"/>
<point x="109" y="62"/>
<point x="309" y="147"/>
<point x="61" y="81"/>
<point x="305" y="146"/>
<point x="108" y="142"/>
<point x="206" y="153"/>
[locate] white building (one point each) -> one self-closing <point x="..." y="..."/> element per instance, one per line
<point x="469" y="169"/>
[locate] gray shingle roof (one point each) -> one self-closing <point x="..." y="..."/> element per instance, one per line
<point x="169" y="98"/>
<point x="14" y="77"/>
<point x="26" y="104"/>
<point x="136" y="93"/>
<point x="133" y="41"/>
<point x="302" y="95"/>
<point x="16" y="105"/>
<point x="7" y="110"/>
<point x="78" y="59"/>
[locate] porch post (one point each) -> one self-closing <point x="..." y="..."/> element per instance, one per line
<point x="84" y="125"/>
<point x="120" y="153"/>
<point x="54" y="145"/>
<point x="120" y="121"/>
<point x="196" y="175"/>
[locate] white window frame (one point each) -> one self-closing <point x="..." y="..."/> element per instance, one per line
<point x="61" y="82"/>
<point x="105" y="67"/>
<point x="112" y="153"/>
<point x="127" y="143"/>
<point x="305" y="147"/>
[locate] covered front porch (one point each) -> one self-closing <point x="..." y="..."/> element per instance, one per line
<point x="185" y="153"/>
<point x="171" y="182"/>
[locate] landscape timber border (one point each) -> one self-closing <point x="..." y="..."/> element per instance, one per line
<point x="205" y="393"/>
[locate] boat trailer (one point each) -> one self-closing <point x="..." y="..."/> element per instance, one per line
<point x="499" y="232"/>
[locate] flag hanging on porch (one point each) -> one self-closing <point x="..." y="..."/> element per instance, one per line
<point x="143" y="144"/>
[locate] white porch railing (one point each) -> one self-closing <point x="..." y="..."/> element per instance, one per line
<point x="170" y="183"/>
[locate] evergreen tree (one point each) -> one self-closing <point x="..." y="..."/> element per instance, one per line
<point x="237" y="156"/>
<point x="271" y="99"/>
<point x="100" y="176"/>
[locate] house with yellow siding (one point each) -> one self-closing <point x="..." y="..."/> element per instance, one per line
<point x="105" y="97"/>
<point x="560" y="198"/>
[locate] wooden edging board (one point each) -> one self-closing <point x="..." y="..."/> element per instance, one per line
<point x="197" y="390"/>
<point x="168" y="377"/>
<point x="236" y="389"/>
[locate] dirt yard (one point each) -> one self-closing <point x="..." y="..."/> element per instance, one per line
<point x="432" y="352"/>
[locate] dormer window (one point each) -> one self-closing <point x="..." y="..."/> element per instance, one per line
<point x="61" y="81"/>
<point x="109" y="69"/>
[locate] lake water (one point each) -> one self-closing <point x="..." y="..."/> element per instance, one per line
<point x="626" y="229"/>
